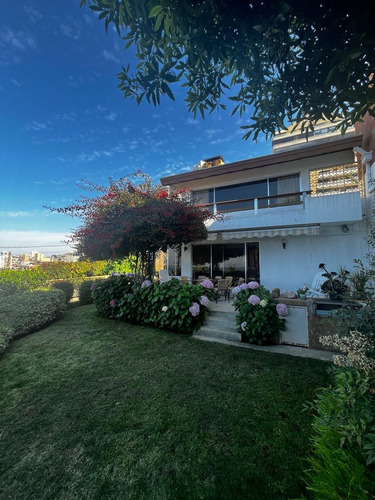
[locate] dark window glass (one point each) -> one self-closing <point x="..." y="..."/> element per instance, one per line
<point x="240" y="192"/>
<point x="217" y="260"/>
<point x="234" y="260"/>
<point x="201" y="260"/>
<point x="252" y="261"/>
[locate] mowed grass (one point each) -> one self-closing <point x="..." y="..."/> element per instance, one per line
<point x="100" y="409"/>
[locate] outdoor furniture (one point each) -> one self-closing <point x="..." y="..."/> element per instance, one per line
<point x="240" y="281"/>
<point x="164" y="276"/>
<point x="222" y="289"/>
<point x="229" y="280"/>
<point x="315" y="289"/>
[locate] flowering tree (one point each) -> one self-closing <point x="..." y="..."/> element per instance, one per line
<point x="135" y="218"/>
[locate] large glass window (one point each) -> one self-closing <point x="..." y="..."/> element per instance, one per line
<point x="240" y="260"/>
<point x="234" y="260"/>
<point x="201" y="260"/>
<point x="287" y="184"/>
<point x="204" y="197"/>
<point x="238" y="192"/>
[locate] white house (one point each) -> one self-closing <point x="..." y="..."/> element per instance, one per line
<point x="285" y="212"/>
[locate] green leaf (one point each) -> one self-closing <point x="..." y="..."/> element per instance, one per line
<point x="155" y="11"/>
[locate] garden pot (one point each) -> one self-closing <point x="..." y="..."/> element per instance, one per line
<point x="333" y="296"/>
<point x="302" y="296"/>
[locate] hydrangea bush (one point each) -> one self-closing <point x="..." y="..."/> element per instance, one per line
<point x="171" y="306"/>
<point x="259" y="317"/>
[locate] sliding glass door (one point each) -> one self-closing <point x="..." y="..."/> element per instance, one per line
<point x="240" y="260"/>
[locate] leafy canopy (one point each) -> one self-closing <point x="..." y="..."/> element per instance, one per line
<point x="288" y="61"/>
<point x="134" y="218"/>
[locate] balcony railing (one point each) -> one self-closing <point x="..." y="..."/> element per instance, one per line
<point x="279" y="200"/>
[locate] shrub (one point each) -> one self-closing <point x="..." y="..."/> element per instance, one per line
<point x="85" y="292"/>
<point x="26" y="279"/>
<point x="67" y="287"/>
<point x="113" y="288"/>
<point x="356" y="318"/>
<point x="28" y="312"/>
<point x="6" y="333"/>
<point x="171" y="306"/>
<point x="343" y="444"/>
<point x="258" y="318"/>
<point x="8" y="288"/>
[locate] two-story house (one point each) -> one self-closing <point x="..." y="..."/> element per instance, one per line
<point x="284" y="213"/>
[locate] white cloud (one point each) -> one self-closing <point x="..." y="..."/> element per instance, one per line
<point x="16" y="39"/>
<point x="17" y="213"/>
<point x="33" y="14"/>
<point x="191" y="121"/>
<point x="26" y="241"/>
<point x="112" y="116"/>
<point x="110" y="56"/>
<point x="15" y="82"/>
<point x="70" y="31"/>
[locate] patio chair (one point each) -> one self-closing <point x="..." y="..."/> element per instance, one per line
<point x="222" y="288"/>
<point x="315" y="289"/>
<point x="164" y="276"/>
<point x="229" y="280"/>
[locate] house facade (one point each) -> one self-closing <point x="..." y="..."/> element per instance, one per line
<point x="283" y="214"/>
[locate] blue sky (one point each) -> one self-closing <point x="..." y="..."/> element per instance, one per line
<point x="63" y="119"/>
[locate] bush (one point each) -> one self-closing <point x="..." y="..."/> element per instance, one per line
<point x="344" y="441"/>
<point x="258" y="318"/>
<point x="67" y="287"/>
<point x="6" y="333"/>
<point x="26" y="279"/>
<point x="85" y="292"/>
<point x="28" y="312"/>
<point x="356" y="318"/>
<point x="171" y="306"/>
<point x="7" y="288"/>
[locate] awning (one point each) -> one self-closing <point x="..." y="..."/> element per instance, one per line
<point x="262" y="233"/>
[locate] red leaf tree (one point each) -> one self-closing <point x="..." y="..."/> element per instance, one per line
<point x="134" y="218"/>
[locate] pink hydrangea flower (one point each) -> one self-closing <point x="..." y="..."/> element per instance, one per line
<point x="243" y="286"/>
<point x="145" y="283"/>
<point x="204" y="300"/>
<point x="207" y="283"/>
<point x="282" y="310"/>
<point x="254" y="300"/>
<point x="194" y="309"/>
<point x="253" y="285"/>
<point x="112" y="303"/>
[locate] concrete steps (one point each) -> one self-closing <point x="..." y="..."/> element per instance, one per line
<point x="220" y="325"/>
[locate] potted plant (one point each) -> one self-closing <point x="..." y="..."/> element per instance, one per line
<point x="302" y="292"/>
<point x="335" y="284"/>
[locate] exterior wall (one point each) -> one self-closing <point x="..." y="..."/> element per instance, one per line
<point x="340" y="208"/>
<point x="302" y="167"/>
<point x="295" y="266"/>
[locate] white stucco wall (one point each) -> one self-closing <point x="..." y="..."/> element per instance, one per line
<point x="296" y="266"/>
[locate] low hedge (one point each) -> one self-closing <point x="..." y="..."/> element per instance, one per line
<point x="171" y="306"/>
<point x="67" y="287"/>
<point x="85" y="292"/>
<point x="28" y="312"/>
<point x="6" y="333"/>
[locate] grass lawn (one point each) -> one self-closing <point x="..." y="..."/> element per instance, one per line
<point x="98" y="409"/>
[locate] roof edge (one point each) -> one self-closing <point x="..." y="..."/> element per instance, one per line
<point x="265" y="161"/>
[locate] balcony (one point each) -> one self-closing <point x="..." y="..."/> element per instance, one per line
<point x="287" y="210"/>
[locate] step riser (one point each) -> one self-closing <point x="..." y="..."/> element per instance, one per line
<point x="223" y="335"/>
<point x="220" y="325"/>
<point x="217" y="314"/>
